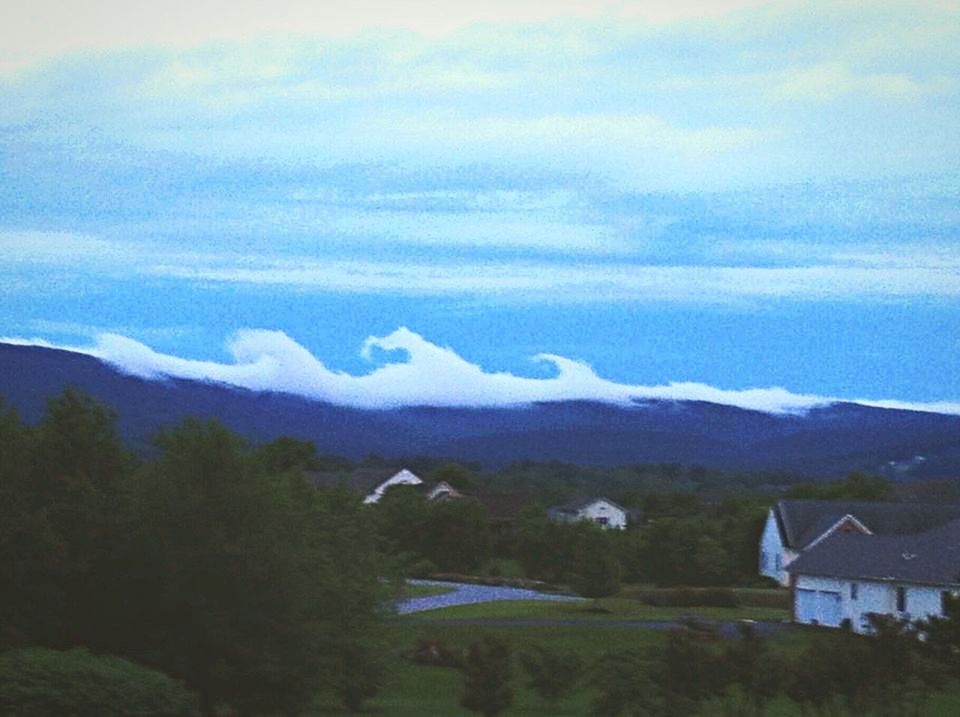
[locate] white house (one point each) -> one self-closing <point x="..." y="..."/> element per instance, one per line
<point x="794" y="526"/>
<point x="602" y="511"/>
<point x="846" y="577"/>
<point x="403" y="477"/>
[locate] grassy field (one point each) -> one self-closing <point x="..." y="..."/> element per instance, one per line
<point x="410" y="590"/>
<point x="413" y="690"/>
<point x="604" y="609"/>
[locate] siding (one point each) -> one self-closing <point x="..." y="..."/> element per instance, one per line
<point x="871" y="596"/>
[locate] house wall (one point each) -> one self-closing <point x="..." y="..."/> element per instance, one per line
<point x="772" y="551"/>
<point x="871" y="597"/>
<point x="616" y="518"/>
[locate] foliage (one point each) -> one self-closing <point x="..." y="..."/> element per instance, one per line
<point x="856" y="486"/>
<point x="39" y="682"/>
<point x="624" y="686"/>
<point x="552" y="675"/>
<point x="595" y="572"/>
<point x="455" y="474"/>
<point x="253" y="588"/>
<point x="487" y="675"/>
<point x="359" y="675"/>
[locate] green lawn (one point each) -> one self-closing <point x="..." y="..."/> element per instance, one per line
<point x="415" y="690"/>
<point x="604" y="609"/>
<point x="411" y="590"/>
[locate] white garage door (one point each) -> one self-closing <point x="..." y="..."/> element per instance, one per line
<point x="821" y="607"/>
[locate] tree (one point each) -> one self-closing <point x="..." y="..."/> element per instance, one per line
<point x="553" y="675"/>
<point x="40" y="682"/>
<point x="77" y="506"/>
<point x="624" y="686"/>
<point x="595" y="570"/>
<point x="755" y="669"/>
<point x="288" y="454"/>
<point x="250" y="587"/>
<point x="453" y="473"/>
<point x="487" y="674"/>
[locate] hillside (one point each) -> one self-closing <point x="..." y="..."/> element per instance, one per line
<point x="827" y="441"/>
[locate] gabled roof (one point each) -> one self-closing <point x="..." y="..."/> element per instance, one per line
<point x="930" y="558"/>
<point x="575" y="506"/>
<point x="364" y="481"/>
<point x="803" y="521"/>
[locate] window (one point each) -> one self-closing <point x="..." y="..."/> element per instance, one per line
<point x="603" y="520"/>
<point x="778" y="562"/>
<point x="901" y="599"/>
<point x="854" y="590"/>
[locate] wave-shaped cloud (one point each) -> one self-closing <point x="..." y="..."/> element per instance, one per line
<point x="429" y="375"/>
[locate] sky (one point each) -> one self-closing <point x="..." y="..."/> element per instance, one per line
<point x="391" y="203"/>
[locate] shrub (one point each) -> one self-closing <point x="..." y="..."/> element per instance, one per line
<point x="553" y="675"/>
<point x="38" y="682"/>
<point x="487" y="672"/>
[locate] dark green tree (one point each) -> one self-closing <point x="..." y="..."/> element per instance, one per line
<point x="250" y="587"/>
<point x="456" y="474"/>
<point x="40" y="682"/>
<point x="77" y="503"/>
<point x="553" y="675"/>
<point x="595" y="571"/>
<point x="487" y="675"/>
<point x="624" y="685"/>
<point x="288" y="454"/>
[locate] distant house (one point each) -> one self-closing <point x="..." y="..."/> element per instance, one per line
<point x="846" y="577"/>
<point x="602" y="511"/>
<point x="794" y="526"/>
<point x="373" y="484"/>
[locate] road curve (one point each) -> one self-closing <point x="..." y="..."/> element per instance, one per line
<point x="468" y="594"/>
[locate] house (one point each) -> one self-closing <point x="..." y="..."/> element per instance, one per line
<point x="848" y="576"/>
<point x="794" y="526"/>
<point x="372" y="484"/>
<point x="602" y="511"/>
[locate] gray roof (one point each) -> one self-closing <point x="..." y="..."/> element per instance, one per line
<point x="802" y="521"/>
<point x="931" y="558"/>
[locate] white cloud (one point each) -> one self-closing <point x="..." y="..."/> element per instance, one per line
<point x="40" y="29"/>
<point x="587" y="282"/>
<point x="831" y="80"/>
<point x="429" y="375"/>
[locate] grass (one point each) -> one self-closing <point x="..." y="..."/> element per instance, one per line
<point x="604" y="609"/>
<point x="413" y="690"/>
<point x="411" y="590"/>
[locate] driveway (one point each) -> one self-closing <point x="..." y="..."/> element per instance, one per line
<point x="467" y="594"/>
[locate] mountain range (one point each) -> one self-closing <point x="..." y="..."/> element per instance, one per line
<point x="827" y="441"/>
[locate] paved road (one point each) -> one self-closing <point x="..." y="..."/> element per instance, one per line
<point x="466" y="594"/>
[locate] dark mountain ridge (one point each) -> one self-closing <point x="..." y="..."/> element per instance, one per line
<point x="829" y="441"/>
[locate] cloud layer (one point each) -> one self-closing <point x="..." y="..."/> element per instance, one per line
<point x="427" y="375"/>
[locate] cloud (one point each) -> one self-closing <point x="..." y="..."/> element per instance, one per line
<point x="428" y="375"/>
<point x="587" y="282"/>
<point x="832" y="80"/>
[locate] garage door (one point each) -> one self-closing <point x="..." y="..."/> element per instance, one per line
<point x="821" y="607"/>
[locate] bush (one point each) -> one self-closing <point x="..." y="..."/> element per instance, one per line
<point x="499" y="567"/>
<point x="422" y="568"/>
<point x="38" y="682"/>
<point x="689" y="597"/>
<point x="487" y="673"/>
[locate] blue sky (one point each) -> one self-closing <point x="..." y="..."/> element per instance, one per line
<point x="734" y="194"/>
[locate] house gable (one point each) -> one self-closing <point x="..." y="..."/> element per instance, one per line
<point x="403" y="477"/>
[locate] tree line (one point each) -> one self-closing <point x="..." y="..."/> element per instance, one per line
<point x="208" y="563"/>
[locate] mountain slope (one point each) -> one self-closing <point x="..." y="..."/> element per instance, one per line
<point x="827" y="441"/>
